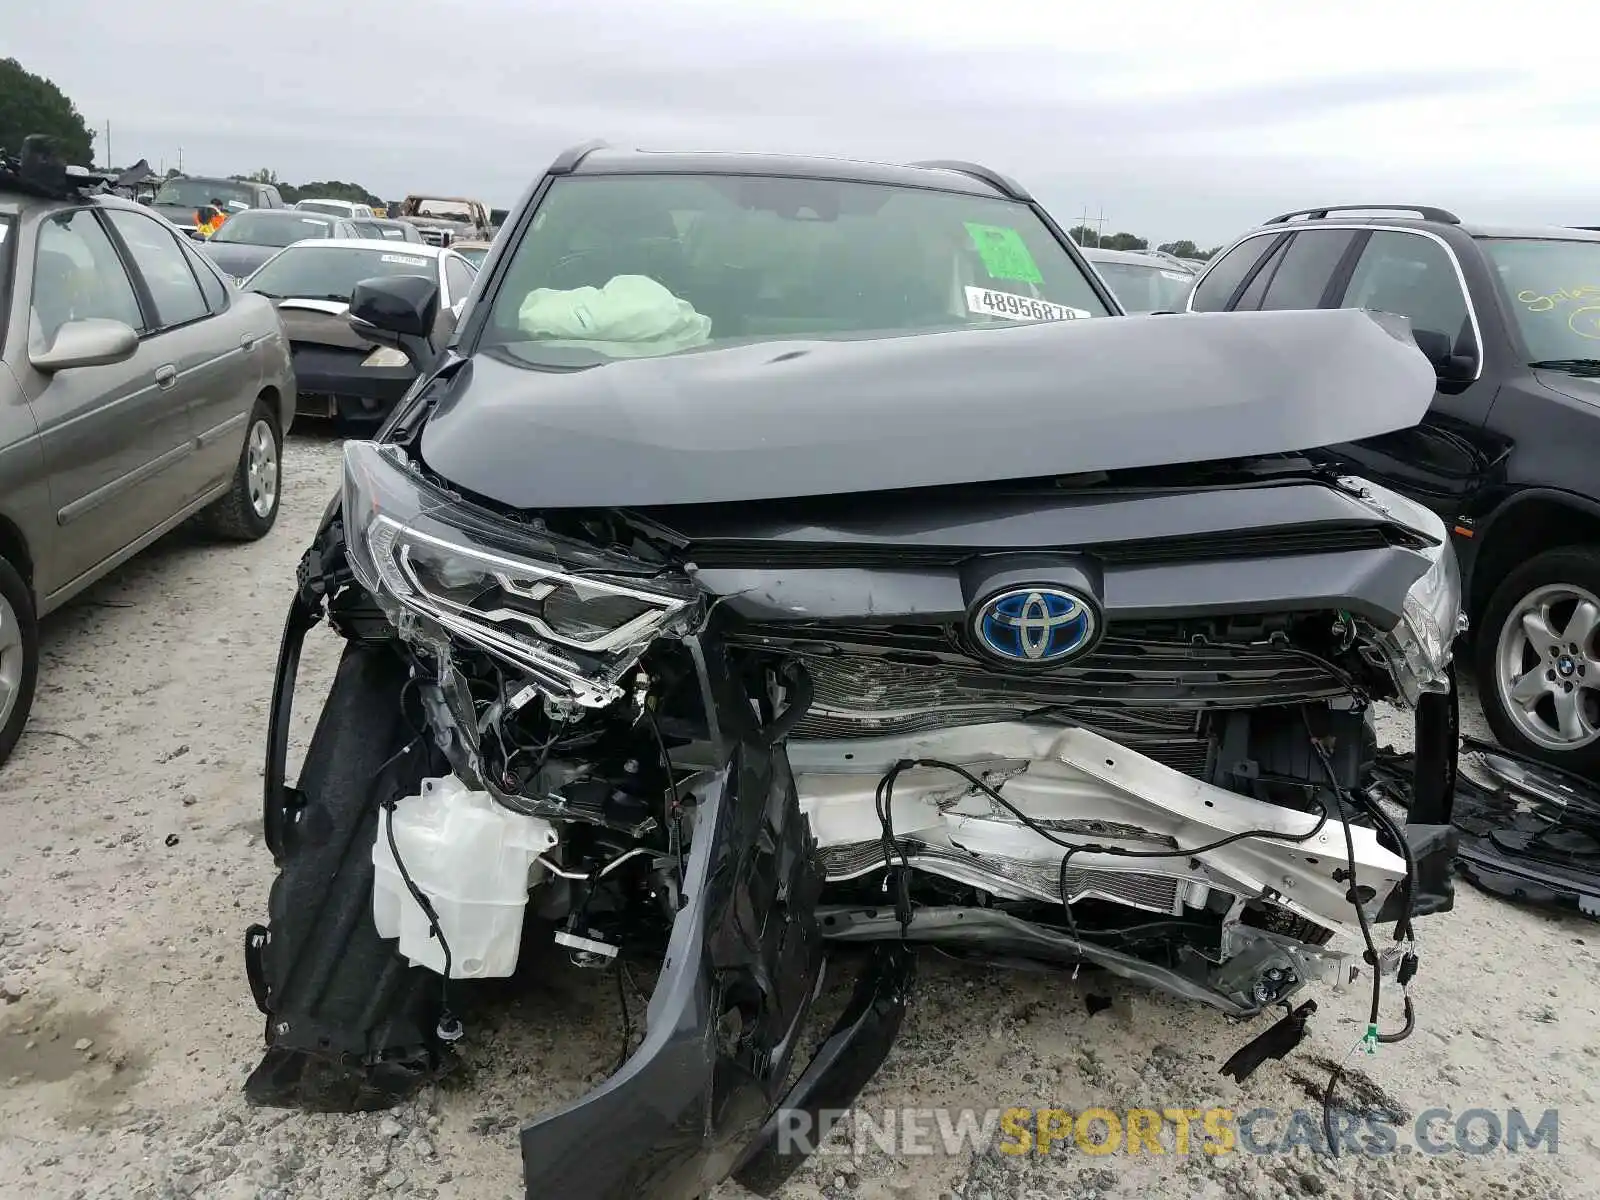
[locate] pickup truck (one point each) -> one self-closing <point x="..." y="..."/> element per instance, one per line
<point x="443" y="219"/>
<point x="178" y="198"/>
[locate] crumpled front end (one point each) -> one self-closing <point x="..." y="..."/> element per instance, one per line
<point x="721" y="746"/>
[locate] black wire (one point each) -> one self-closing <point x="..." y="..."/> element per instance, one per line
<point x="883" y="801"/>
<point x="1119" y="851"/>
<point x="675" y="813"/>
<point x="627" y="1016"/>
<point x="1366" y="936"/>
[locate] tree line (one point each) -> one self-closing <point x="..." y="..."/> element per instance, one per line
<point x="1086" y="235"/>
<point x="31" y="104"/>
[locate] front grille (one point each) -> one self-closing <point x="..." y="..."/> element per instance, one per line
<point x="898" y="681"/>
<point x="1039" y="880"/>
<point x="435" y="237"/>
<point x="866" y="697"/>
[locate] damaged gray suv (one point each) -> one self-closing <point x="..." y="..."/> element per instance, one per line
<point x="795" y="561"/>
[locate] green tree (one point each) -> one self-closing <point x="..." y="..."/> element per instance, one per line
<point x="1184" y="248"/>
<point x="1084" y="235"/>
<point x="1124" y="241"/>
<point x="31" y="104"/>
<point x="334" y="189"/>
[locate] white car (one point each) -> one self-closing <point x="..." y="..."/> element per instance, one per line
<point x="335" y="208"/>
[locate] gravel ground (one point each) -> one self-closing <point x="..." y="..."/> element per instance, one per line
<point x="132" y="862"/>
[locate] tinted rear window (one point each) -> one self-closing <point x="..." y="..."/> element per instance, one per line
<point x="1223" y="279"/>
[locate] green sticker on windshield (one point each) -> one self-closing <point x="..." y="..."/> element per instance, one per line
<point x="1004" y="253"/>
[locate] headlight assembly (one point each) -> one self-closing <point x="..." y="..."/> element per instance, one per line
<point x="573" y="618"/>
<point x="1417" y="650"/>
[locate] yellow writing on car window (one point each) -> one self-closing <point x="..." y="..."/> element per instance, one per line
<point x="1543" y="302"/>
<point x="1585" y="321"/>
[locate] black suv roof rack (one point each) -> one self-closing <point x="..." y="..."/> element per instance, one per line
<point x="1427" y="212"/>
<point x="37" y="170"/>
<point x="1003" y="184"/>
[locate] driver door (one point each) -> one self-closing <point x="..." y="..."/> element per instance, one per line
<point x="1445" y="459"/>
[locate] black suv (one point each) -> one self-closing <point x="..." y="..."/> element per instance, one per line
<point x="1508" y="452"/>
<point x="790" y="552"/>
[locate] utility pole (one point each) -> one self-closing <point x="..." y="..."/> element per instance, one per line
<point x="180" y="160"/>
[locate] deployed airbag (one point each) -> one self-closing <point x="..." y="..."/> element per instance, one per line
<point x="631" y="316"/>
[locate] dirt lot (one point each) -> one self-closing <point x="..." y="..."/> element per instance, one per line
<point x="132" y="861"/>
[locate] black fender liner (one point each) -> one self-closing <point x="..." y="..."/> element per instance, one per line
<point x="742" y="967"/>
<point x="350" y="1024"/>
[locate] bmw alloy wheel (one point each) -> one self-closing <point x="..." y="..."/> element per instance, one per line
<point x="1548" y="666"/>
<point x="261" y="468"/>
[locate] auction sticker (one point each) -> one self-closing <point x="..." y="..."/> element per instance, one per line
<point x="990" y="303"/>
<point x="403" y="260"/>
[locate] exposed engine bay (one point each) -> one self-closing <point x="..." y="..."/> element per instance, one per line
<point x="646" y="742"/>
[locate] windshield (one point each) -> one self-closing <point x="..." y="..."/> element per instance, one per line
<point x="1146" y="289"/>
<point x="473" y="254"/>
<point x="447" y="210"/>
<point x="192" y="193"/>
<point x="261" y="228"/>
<point x="332" y="272"/>
<point x="324" y="206"/>
<point x="630" y="266"/>
<point x="1553" y="287"/>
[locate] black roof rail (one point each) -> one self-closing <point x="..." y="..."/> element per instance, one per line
<point x="1003" y="184"/>
<point x="567" y="161"/>
<point x="1428" y="213"/>
<point x="37" y="170"/>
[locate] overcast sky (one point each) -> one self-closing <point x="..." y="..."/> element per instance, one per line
<point x="1178" y="120"/>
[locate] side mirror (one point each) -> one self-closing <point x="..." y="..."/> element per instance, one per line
<point x="392" y="307"/>
<point x="1440" y="351"/>
<point x="91" y="342"/>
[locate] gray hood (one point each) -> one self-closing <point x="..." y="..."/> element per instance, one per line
<point x="812" y="418"/>
<point x="238" y="258"/>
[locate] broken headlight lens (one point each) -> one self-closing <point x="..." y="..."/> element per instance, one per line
<point x="1419" y="647"/>
<point x="1417" y="650"/>
<point x="573" y="617"/>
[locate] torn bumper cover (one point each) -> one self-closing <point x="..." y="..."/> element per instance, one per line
<point x="351" y="1026"/>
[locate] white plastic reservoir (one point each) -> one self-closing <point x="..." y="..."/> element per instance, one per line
<point x="474" y="861"/>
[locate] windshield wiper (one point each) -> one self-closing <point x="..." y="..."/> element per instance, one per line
<point x="1585" y="367"/>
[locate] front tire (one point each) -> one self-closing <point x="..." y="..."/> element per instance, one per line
<point x="1537" y="658"/>
<point x="19" y="657"/>
<point x="250" y="509"/>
